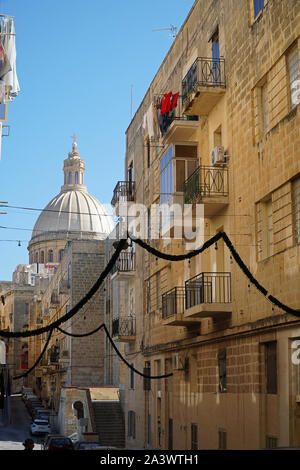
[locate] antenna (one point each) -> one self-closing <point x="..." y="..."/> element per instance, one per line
<point x="172" y="28"/>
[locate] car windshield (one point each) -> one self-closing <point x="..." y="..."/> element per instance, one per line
<point x="41" y="422"/>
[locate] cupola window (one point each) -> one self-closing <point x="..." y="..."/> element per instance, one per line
<point x="76" y="177"/>
<point x="70" y="178"/>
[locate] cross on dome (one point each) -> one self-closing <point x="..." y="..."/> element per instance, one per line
<point x="74" y="137"/>
<point x="74" y="145"/>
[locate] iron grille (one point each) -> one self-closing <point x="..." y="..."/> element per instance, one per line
<point x="124" y="326"/>
<point x="173" y="302"/>
<point x="204" y="72"/>
<point x="208" y="288"/>
<point x="124" y="191"/>
<point x="206" y="181"/>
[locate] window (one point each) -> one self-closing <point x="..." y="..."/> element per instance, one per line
<point x="158" y="291"/>
<point x="294" y="76"/>
<point x="222" y="439"/>
<point x="258" y="6"/>
<point x="76" y="177"/>
<point x="216" y="57"/>
<point x="166" y="176"/>
<point x="50" y="256"/>
<point x="271" y="367"/>
<point x="70" y="178"/>
<point x="61" y="254"/>
<point x="131" y="424"/>
<point x="42" y="257"/>
<point x="131" y="378"/>
<point x="147" y="372"/>
<point x="222" y="370"/>
<point x="194" y="436"/>
<point x="296" y="208"/>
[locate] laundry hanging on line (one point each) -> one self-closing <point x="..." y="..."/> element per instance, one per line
<point x="168" y="102"/>
<point x="8" y="56"/>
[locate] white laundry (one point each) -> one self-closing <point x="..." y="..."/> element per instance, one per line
<point x="10" y="78"/>
<point x="148" y="121"/>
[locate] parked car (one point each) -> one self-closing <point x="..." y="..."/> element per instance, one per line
<point x="42" y="413"/>
<point x="87" y="445"/>
<point x="57" y="442"/>
<point x="74" y="437"/>
<point x="36" y="410"/>
<point x="40" y="427"/>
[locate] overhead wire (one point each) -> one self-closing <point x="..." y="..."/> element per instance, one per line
<point x="121" y="245"/>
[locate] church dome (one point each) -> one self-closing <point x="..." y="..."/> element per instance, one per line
<point x="73" y="214"/>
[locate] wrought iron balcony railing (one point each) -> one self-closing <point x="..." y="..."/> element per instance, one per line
<point x="208" y="288"/>
<point x="125" y="263"/>
<point x="173" y="302"/>
<point x="124" y="191"/>
<point x="124" y="326"/>
<point x="204" y="72"/>
<point x="174" y="115"/>
<point x="206" y="181"/>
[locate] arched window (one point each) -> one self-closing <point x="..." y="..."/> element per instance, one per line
<point x="50" y="256"/>
<point x="76" y="177"/>
<point x="42" y="257"/>
<point x="70" y="178"/>
<point x="61" y="254"/>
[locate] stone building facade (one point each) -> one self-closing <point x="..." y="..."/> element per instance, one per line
<point x="231" y="145"/>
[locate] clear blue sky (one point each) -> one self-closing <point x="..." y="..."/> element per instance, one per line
<point x="76" y="63"/>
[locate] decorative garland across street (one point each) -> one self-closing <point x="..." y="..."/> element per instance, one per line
<point x="121" y="246"/>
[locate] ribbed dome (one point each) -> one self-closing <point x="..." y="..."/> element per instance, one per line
<point x="73" y="213"/>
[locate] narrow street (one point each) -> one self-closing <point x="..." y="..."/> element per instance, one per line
<point x="12" y="436"/>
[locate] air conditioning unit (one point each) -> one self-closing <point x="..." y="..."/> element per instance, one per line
<point x="179" y="361"/>
<point x="218" y="156"/>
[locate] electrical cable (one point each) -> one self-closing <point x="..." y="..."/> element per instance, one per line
<point x="121" y="245"/>
<point x="234" y="254"/>
<point x="77" y="307"/>
<point x="116" y="350"/>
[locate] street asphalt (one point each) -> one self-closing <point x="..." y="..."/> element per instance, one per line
<point x="13" y="435"/>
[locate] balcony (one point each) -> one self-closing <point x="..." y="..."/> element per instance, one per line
<point x="124" y="267"/>
<point x="124" y="192"/>
<point x="123" y="329"/>
<point x="173" y="304"/>
<point x="208" y="185"/>
<point x="208" y="295"/>
<point x="203" y="86"/>
<point x="176" y="127"/>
